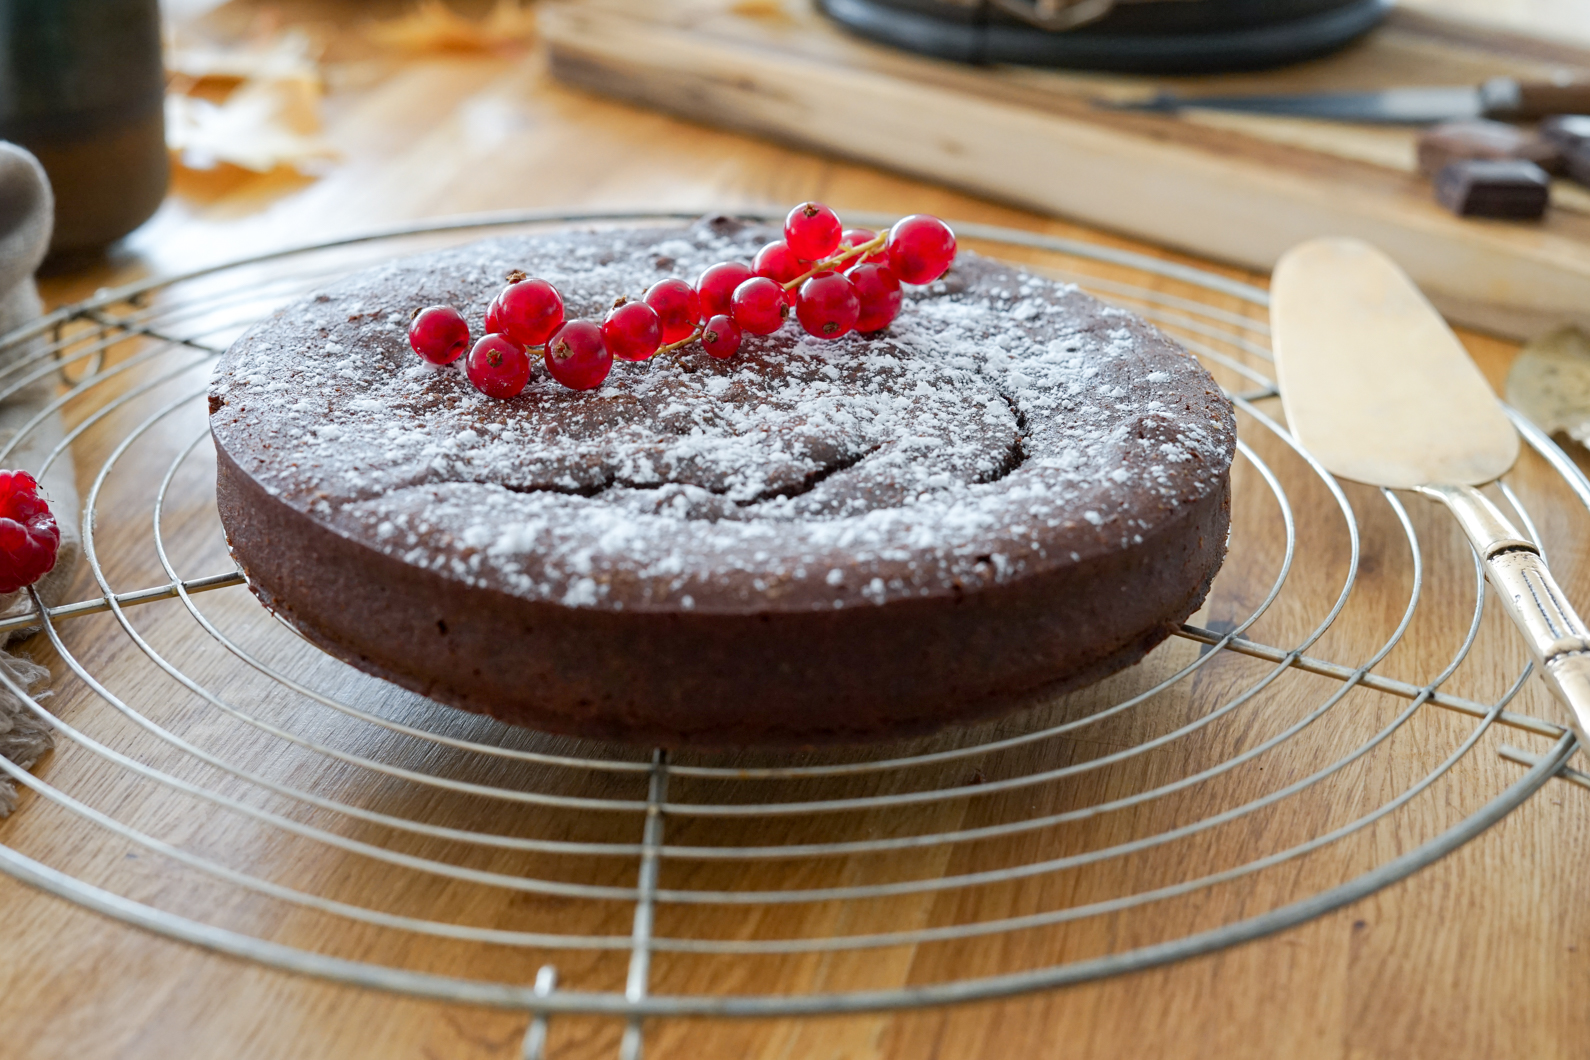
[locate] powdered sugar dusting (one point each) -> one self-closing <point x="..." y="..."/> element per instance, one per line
<point x="1004" y="424"/>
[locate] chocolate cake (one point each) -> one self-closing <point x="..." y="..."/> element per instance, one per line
<point x="1014" y="488"/>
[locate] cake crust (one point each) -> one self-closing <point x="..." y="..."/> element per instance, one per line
<point x="1015" y="488"/>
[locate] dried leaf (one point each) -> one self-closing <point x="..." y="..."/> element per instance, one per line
<point x="263" y="125"/>
<point x="435" y="27"/>
<point x="285" y="57"/>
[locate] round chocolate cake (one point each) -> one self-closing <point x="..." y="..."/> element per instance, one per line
<point x="1014" y="488"/>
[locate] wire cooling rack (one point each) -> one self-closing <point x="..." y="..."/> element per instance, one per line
<point x="1312" y="735"/>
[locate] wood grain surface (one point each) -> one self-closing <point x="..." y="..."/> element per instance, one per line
<point x="1482" y="954"/>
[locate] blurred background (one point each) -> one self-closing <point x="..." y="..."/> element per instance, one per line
<point x="212" y="130"/>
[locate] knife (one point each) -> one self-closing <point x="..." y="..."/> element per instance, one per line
<point x="1380" y="391"/>
<point x="1500" y="98"/>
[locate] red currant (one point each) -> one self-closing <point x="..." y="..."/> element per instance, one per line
<point x="758" y="306"/>
<point x="577" y="357"/>
<point x="720" y="337"/>
<point x="812" y="231"/>
<point x="879" y="294"/>
<point x="29" y="538"/>
<point x="778" y="263"/>
<point x="827" y="306"/>
<point x="920" y="248"/>
<point x="494" y="321"/>
<point x="498" y="366"/>
<point x="678" y="308"/>
<point x="855" y="237"/>
<point x="717" y="285"/>
<point x="632" y="331"/>
<point x="529" y="311"/>
<point x="439" y="334"/>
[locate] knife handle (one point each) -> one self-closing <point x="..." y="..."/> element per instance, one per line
<point x="1558" y="639"/>
<point x="1506" y="99"/>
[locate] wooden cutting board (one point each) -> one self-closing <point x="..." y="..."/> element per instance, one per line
<point x="1239" y="188"/>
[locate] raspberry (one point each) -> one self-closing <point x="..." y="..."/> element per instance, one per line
<point x="854" y="237"/>
<point x="827" y="306"/>
<point x="812" y="231"/>
<point x="879" y="294"/>
<point x="632" y="331"/>
<point x="498" y="366"/>
<point x="528" y="310"/>
<point x="717" y="285"/>
<point x="439" y="334"/>
<point x="678" y="307"/>
<point x="720" y="337"/>
<point x="758" y="306"/>
<point x="29" y="537"/>
<point x="920" y="248"/>
<point x="577" y="357"/>
<point x="778" y="263"/>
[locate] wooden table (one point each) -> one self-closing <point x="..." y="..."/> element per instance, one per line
<point x="1479" y="955"/>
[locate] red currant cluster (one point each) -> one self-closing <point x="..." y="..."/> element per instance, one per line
<point x="835" y="280"/>
<point x="29" y="537"/>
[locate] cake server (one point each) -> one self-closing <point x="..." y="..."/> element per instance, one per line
<point x="1379" y="390"/>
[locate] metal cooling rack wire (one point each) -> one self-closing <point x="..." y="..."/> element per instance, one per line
<point x="947" y="837"/>
<point x="757" y="809"/>
<point x="204" y="318"/>
<point x="749" y="772"/>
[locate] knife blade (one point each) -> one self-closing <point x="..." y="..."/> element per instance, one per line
<point x="1500" y="99"/>
<point x="1380" y="391"/>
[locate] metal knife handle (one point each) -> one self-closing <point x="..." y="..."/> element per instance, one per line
<point x="1558" y="639"/>
<point x="1505" y="99"/>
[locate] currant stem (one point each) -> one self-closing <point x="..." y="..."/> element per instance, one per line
<point x="875" y="243"/>
<point x="687" y="340"/>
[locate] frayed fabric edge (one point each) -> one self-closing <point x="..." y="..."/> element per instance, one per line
<point x="24" y="737"/>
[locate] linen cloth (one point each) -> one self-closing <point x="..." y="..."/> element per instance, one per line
<point x="27" y="215"/>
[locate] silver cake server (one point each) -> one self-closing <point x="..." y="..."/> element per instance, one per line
<point x="1379" y="390"/>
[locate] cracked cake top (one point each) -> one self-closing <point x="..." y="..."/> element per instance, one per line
<point x="1002" y="424"/>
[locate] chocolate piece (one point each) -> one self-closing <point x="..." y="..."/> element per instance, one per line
<point x="1566" y="130"/>
<point x="1486" y="188"/>
<point x="1013" y="489"/>
<point x="1578" y="162"/>
<point x="1571" y="134"/>
<point x="1453" y="141"/>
